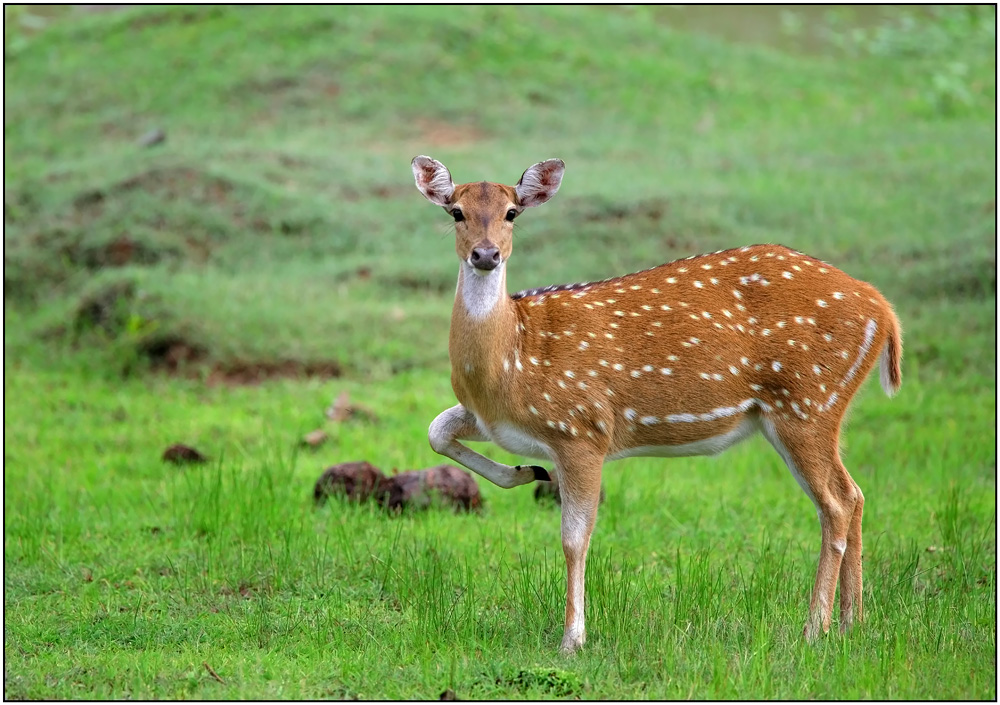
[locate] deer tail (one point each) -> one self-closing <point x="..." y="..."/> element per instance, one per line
<point x="890" y="371"/>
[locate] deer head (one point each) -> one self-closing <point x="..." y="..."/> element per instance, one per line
<point x="484" y="212"/>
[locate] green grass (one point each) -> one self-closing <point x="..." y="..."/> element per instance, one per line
<point x="278" y="223"/>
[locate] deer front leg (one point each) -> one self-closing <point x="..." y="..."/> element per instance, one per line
<point x="458" y="423"/>
<point x="580" y="488"/>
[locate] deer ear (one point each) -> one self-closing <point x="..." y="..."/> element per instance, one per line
<point x="433" y="179"/>
<point x="540" y="182"/>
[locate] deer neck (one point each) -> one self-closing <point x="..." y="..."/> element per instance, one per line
<point x="484" y="335"/>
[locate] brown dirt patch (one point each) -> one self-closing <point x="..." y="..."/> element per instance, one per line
<point x="173" y="354"/>
<point x="378" y="191"/>
<point x="591" y="211"/>
<point x="180" y="454"/>
<point x="357" y="480"/>
<point x="417" y="489"/>
<point x="303" y="89"/>
<point x="170" y="183"/>
<point x="437" y="133"/>
<point x="177" y="356"/>
<point x="242" y="372"/>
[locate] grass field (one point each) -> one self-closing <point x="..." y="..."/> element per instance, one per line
<point x="276" y="229"/>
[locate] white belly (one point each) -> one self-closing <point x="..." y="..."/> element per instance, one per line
<point x="514" y="440"/>
<point x="707" y="446"/>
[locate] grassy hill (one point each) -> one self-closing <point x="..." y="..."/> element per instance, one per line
<point x="195" y="197"/>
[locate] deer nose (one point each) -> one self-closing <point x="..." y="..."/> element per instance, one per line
<point x="485" y="258"/>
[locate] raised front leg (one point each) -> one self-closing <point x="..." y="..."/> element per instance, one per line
<point x="458" y="423"/>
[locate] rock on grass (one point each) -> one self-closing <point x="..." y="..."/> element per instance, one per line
<point x="417" y="489"/>
<point x="180" y="454"/>
<point x="356" y="480"/>
<point x="314" y="439"/>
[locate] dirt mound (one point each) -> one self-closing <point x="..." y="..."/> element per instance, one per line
<point x="171" y="183"/>
<point x="418" y="489"/>
<point x="180" y="454"/>
<point x="356" y="480"/>
<point x="603" y="210"/>
<point x="245" y="372"/>
<point x="176" y="355"/>
<point x="415" y="489"/>
<point x="172" y="353"/>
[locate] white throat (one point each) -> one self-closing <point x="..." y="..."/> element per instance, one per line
<point x="481" y="292"/>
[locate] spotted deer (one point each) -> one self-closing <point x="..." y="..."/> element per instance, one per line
<point x="687" y="358"/>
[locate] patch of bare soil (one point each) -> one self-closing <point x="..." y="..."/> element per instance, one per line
<point x="172" y="353"/>
<point x="379" y="191"/>
<point x="437" y="133"/>
<point x="591" y="211"/>
<point x="73" y="246"/>
<point x="171" y="182"/>
<point x="175" y="355"/>
<point x="244" y="372"/>
<point x="313" y="86"/>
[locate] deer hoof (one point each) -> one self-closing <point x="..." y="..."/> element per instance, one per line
<point x="541" y="474"/>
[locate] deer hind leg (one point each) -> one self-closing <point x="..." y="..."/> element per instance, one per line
<point x="580" y="488"/>
<point x="814" y="461"/>
<point x="850" y="568"/>
<point x="459" y="423"/>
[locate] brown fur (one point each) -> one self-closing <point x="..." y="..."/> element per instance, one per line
<point x="555" y="325"/>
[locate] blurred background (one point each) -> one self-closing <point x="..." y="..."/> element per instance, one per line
<point x="212" y="237"/>
<point x="226" y="190"/>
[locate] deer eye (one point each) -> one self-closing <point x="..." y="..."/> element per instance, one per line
<point x="511" y="214"/>
<point x="457" y="215"/>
